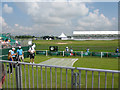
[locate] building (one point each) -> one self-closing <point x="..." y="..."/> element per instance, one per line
<point x="95" y="35"/>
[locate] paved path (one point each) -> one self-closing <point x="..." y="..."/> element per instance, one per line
<point x="60" y="61"/>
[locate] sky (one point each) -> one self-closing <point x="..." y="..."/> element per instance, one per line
<point x="53" y="18"/>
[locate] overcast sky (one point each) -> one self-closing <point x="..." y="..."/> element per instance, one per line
<point x="53" y="18"/>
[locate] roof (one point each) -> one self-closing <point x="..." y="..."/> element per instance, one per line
<point x="62" y="35"/>
<point x="95" y="32"/>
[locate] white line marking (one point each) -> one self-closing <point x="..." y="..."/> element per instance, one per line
<point x="74" y="61"/>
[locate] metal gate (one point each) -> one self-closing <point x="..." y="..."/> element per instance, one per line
<point x="26" y="75"/>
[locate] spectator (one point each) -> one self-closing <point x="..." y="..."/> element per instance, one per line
<point x="117" y="50"/>
<point x="32" y="53"/>
<point x="87" y="50"/>
<point x="20" y="54"/>
<point x="67" y="49"/>
<point x="16" y="42"/>
<point x="2" y="75"/>
<point x="71" y="52"/>
<point x="9" y="40"/>
<point x="13" y="54"/>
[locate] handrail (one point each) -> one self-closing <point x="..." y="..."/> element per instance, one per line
<point x="99" y="70"/>
<point x="78" y="68"/>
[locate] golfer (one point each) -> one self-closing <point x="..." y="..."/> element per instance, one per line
<point x="32" y="53"/>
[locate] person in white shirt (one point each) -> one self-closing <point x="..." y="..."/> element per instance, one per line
<point x="32" y="53"/>
<point x="67" y="49"/>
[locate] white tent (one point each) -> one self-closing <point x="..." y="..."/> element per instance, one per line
<point x="63" y="36"/>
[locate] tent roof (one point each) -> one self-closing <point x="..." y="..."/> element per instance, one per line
<point x="62" y="35"/>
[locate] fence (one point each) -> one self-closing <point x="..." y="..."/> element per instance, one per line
<point x="26" y="75"/>
<point x="78" y="53"/>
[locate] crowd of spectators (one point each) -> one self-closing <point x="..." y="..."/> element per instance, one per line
<point x="6" y="43"/>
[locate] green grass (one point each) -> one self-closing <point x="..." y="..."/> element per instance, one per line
<point x="98" y="46"/>
<point x="97" y="62"/>
<point x="86" y="62"/>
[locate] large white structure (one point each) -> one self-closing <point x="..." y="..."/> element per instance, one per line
<point x="63" y="36"/>
<point x="95" y="35"/>
<point x="95" y="32"/>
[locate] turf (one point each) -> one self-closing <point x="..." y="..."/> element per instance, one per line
<point x="95" y="45"/>
<point x="86" y="62"/>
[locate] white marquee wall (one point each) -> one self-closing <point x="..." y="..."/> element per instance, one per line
<point x="95" y="32"/>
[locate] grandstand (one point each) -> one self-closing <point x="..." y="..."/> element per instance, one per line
<point x="7" y="41"/>
<point x="95" y="35"/>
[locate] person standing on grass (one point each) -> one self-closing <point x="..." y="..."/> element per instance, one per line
<point x="13" y="54"/>
<point x="11" y="57"/>
<point x="87" y="50"/>
<point x="32" y="53"/>
<point x="67" y="49"/>
<point x="20" y="54"/>
<point x="2" y="75"/>
<point x="117" y="50"/>
<point x="71" y="52"/>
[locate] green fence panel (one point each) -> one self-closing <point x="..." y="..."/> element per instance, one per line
<point x="115" y="55"/>
<point x="5" y="58"/>
<point x="104" y="54"/>
<point x="41" y="52"/>
<point x="96" y="53"/>
<point x="67" y="54"/>
<point x="26" y="54"/>
<point x="53" y="53"/>
<point x="78" y="53"/>
<point x="86" y="53"/>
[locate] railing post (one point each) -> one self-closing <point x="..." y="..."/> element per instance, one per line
<point x="18" y="77"/>
<point x="46" y="52"/>
<point x="101" y="54"/>
<point x="71" y="78"/>
<point x="63" y="53"/>
<point x="75" y="80"/>
<point x="76" y="84"/>
<point x="107" y="54"/>
<point x="81" y="53"/>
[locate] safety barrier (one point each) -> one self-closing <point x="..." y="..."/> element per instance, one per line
<point x="26" y="75"/>
<point x="79" y="53"/>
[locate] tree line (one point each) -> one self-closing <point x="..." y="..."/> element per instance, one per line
<point x="25" y="36"/>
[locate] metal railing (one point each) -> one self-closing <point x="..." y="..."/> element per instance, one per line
<point x="26" y="75"/>
<point x="77" y="53"/>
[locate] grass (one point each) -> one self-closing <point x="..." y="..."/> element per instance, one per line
<point x="87" y="62"/>
<point x="93" y="45"/>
